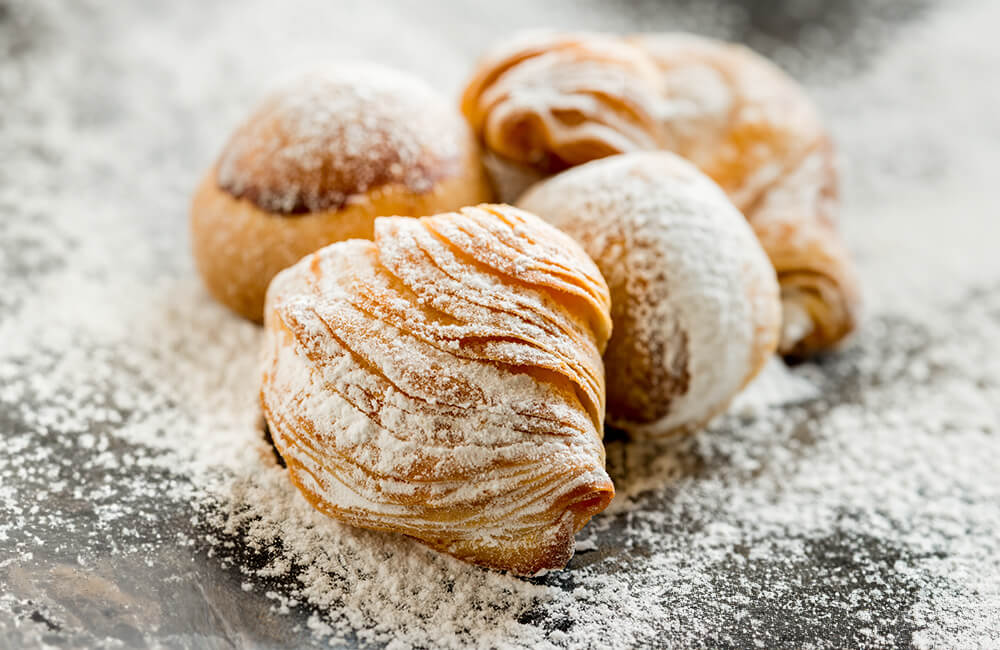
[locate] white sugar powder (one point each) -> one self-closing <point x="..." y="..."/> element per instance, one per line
<point x="843" y="504"/>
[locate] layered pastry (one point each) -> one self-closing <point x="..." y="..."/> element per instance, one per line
<point x="694" y="299"/>
<point x="732" y="113"/>
<point x="544" y="102"/>
<point x="445" y="381"/>
<point x="315" y="163"/>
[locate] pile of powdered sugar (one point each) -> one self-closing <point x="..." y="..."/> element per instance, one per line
<point x="843" y="503"/>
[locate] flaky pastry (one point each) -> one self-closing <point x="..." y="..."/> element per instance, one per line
<point x="445" y="382"/>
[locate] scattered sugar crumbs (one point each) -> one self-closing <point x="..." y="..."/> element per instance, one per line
<point x="850" y="502"/>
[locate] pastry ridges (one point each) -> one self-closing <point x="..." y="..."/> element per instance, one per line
<point x="551" y="100"/>
<point x="444" y="381"/>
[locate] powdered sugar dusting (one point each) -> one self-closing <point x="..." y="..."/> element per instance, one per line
<point x="550" y="100"/>
<point x="340" y="131"/>
<point x="694" y="297"/>
<point x="845" y="503"/>
<point x="728" y="110"/>
<point x="401" y="425"/>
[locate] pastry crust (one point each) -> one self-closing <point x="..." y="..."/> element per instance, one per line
<point x="316" y="163"/>
<point x="551" y="100"/>
<point x="694" y="297"/>
<point x="752" y="128"/>
<point x="445" y="382"/>
<point x="732" y="113"/>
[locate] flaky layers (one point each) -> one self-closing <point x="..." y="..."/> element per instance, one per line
<point x="552" y="101"/>
<point x="317" y="161"/>
<point x="445" y="382"/>
<point x="732" y="113"/>
<point x="694" y="299"/>
<point x="751" y="128"/>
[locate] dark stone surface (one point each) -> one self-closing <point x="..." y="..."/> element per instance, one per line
<point x="147" y="590"/>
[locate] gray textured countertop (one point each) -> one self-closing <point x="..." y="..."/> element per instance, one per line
<point x="859" y="510"/>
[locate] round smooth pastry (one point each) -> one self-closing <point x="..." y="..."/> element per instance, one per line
<point x="694" y="299"/>
<point x="316" y="163"/>
<point x="445" y="382"/>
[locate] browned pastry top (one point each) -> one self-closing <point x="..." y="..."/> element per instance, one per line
<point x="340" y="132"/>
<point x="553" y="100"/>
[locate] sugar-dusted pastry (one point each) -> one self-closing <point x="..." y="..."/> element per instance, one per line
<point x="317" y="161"/>
<point x="735" y="115"/>
<point x="546" y="101"/>
<point x="752" y="128"/>
<point x="694" y="299"/>
<point x="445" y="382"/>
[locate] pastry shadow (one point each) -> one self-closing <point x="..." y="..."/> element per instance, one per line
<point x="265" y="432"/>
<point x="646" y="465"/>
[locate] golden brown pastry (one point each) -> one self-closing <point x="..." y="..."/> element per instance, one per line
<point x="445" y="382"/>
<point x="751" y="128"/>
<point x="735" y="115"/>
<point x="694" y="299"/>
<point x="317" y="161"/>
<point x="551" y="100"/>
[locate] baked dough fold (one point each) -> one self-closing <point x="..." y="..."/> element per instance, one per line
<point x="445" y="382"/>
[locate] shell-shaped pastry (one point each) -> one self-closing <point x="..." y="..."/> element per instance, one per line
<point x="445" y="382"/>
<point x="694" y="299"/>
<point x="735" y="115"/>
<point x="752" y="128"/>
<point x="552" y="100"/>
<point x="820" y="290"/>
<point x="731" y="112"/>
